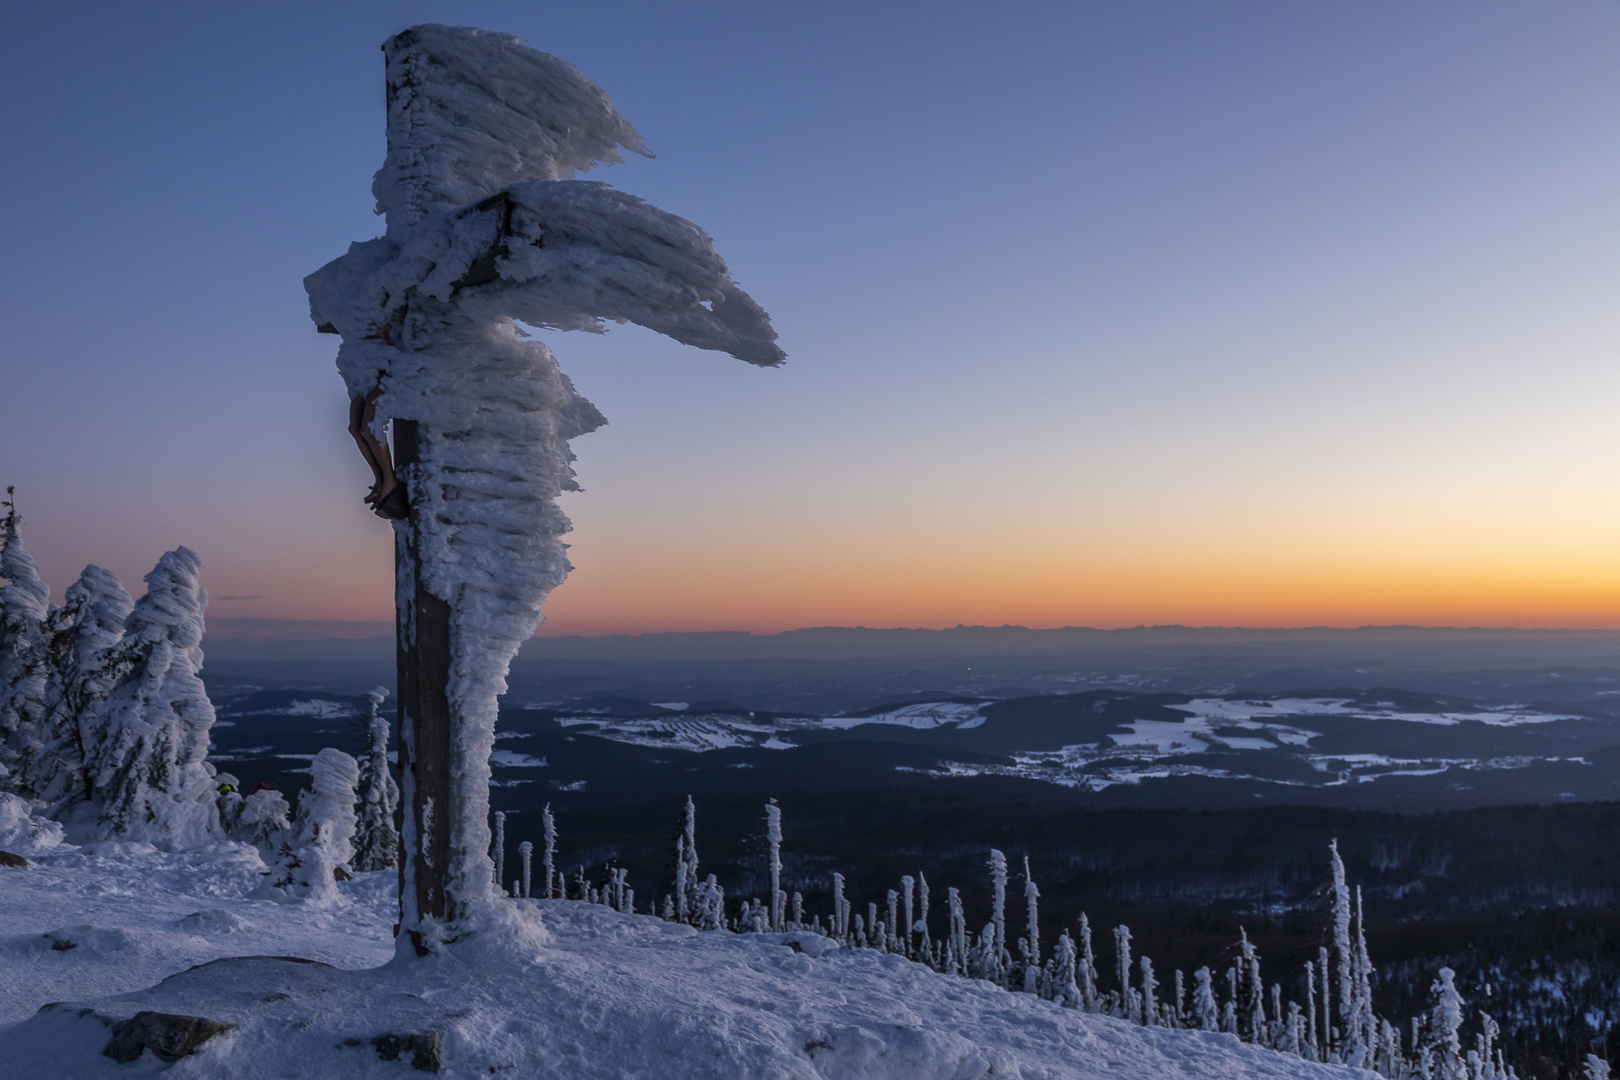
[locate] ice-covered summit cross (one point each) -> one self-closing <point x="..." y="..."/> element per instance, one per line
<point x="485" y="228"/>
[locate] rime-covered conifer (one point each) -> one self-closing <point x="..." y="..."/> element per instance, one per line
<point x="376" y="838"/>
<point x="773" y="840"/>
<point x="1445" y="1025"/>
<point x="548" y="825"/>
<point x="500" y="850"/>
<point x="80" y="639"/>
<point x="24" y="606"/>
<point x="146" y="748"/>
<point x="1032" y="961"/>
<point x="998" y="958"/>
<point x="840" y="909"/>
<point x="1150" y="994"/>
<point x="1205" y="1012"/>
<point x="1088" y="967"/>
<point x="1344" y="955"/>
<point x="689" y="859"/>
<point x="1062" y="986"/>
<point x="526" y="853"/>
<point x="957" y="954"/>
<point x="326" y="824"/>
<point x="1122" y="971"/>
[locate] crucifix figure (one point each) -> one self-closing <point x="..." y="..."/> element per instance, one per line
<point x="485" y="227"/>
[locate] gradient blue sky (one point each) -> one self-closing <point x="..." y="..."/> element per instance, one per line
<point x="1237" y="313"/>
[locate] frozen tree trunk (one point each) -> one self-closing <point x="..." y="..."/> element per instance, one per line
<point x="840" y="909"/>
<point x="526" y="853"/>
<point x="957" y="964"/>
<point x="1325" y="1050"/>
<point x="773" y="837"/>
<point x="925" y="944"/>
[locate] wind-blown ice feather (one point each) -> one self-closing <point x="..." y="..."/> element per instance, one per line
<point x="471" y="111"/>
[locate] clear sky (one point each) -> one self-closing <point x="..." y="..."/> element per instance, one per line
<point x="1098" y="314"/>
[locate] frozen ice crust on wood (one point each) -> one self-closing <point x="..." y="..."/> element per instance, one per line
<point x="485" y="228"/>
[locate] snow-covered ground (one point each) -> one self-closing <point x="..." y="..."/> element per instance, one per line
<point x="593" y="994"/>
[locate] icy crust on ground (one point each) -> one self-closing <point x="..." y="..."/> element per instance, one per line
<point x="137" y="915"/>
<point x="601" y="995"/>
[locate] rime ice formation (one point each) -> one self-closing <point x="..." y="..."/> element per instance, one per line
<point x="24" y="604"/>
<point x="326" y="824"/>
<point x="81" y="639"/>
<point x="483" y="228"/>
<point x="145" y="749"/>
<point x="376" y="841"/>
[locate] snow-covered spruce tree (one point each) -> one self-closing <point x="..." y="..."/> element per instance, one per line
<point x="145" y="749"/>
<point x="925" y="944"/>
<point x="24" y="606"/>
<point x="1311" y="1039"/>
<point x="1150" y="994"/>
<point x="526" y="853"/>
<point x="1122" y="971"/>
<point x="325" y="827"/>
<point x="1251" y="1003"/>
<point x="998" y="959"/>
<point x="500" y="851"/>
<point x="840" y="917"/>
<point x="957" y="947"/>
<point x="1364" y="1025"/>
<point x="1205" y="1012"/>
<point x="686" y="869"/>
<point x="548" y="825"/>
<point x="1445" y="1020"/>
<point x="1032" y="959"/>
<point x="711" y="905"/>
<point x="485" y="227"/>
<point x="1596" y="1068"/>
<point x="376" y="839"/>
<point x="81" y="639"/>
<point x="1088" y="967"/>
<point x="773" y="839"/>
<point x="1327" y="1045"/>
<point x="1343" y="955"/>
<point x="1061" y="985"/>
<point x="909" y="916"/>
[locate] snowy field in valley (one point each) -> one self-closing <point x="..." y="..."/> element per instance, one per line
<point x="119" y="929"/>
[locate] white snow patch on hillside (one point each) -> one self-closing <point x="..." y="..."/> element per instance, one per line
<point x="597" y="994"/>
<point x="514" y="760"/>
<point x="927" y="714"/>
<point x="1221" y="711"/>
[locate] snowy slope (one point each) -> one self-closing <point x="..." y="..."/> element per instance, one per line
<point x="594" y="994"/>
